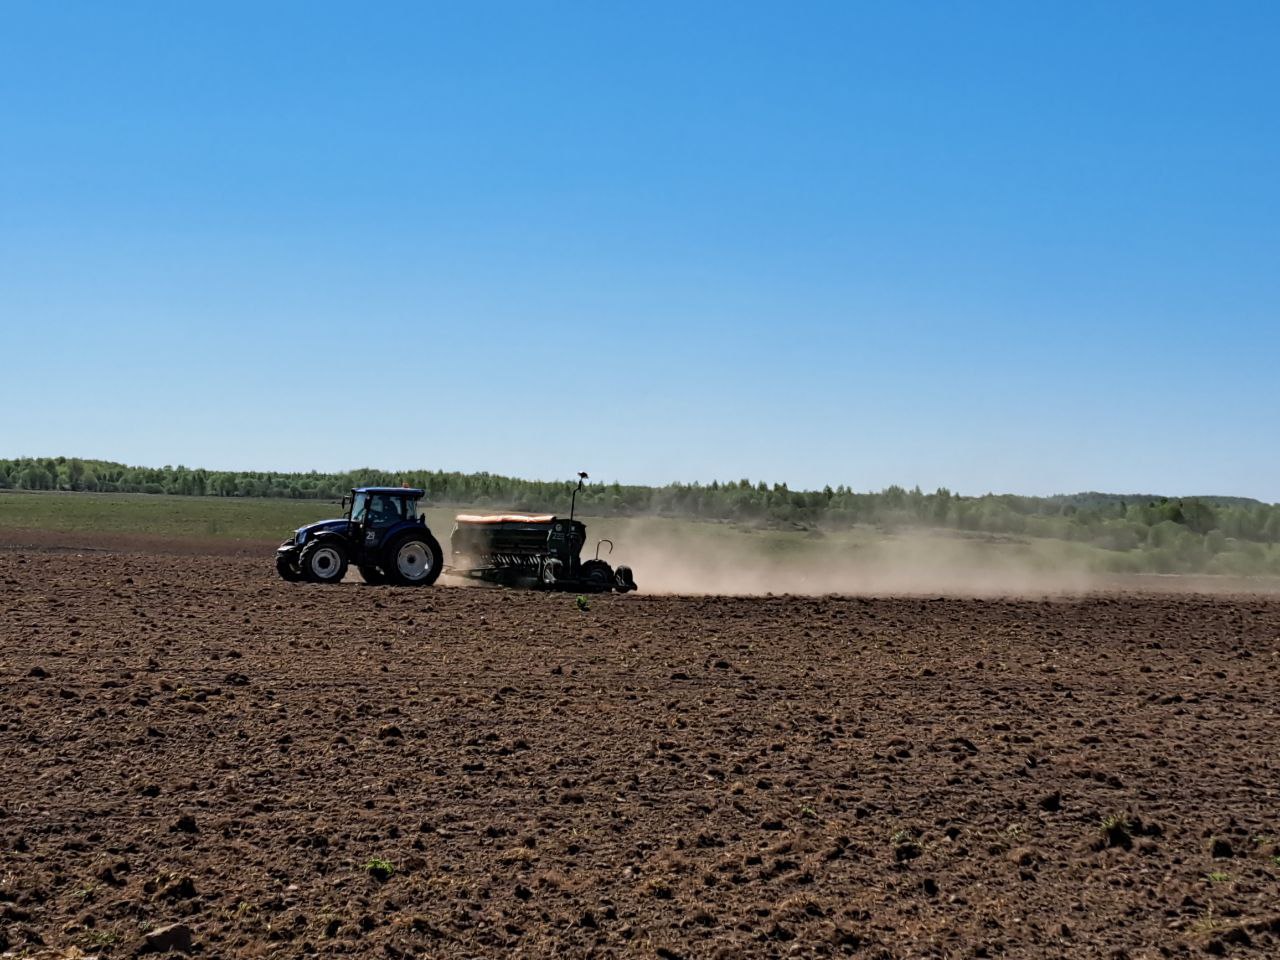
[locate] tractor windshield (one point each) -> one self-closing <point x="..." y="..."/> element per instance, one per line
<point x="359" y="503"/>
<point x="382" y="509"/>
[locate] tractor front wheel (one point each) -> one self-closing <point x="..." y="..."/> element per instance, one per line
<point x="324" y="561"/>
<point x="414" y="560"/>
<point x="287" y="569"/>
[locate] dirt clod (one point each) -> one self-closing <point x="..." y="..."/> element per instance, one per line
<point x="169" y="938"/>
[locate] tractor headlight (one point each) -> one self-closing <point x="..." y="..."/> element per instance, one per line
<point x="302" y="535"/>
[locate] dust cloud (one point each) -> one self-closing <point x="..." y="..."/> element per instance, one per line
<point x="670" y="556"/>
<point x="686" y="562"/>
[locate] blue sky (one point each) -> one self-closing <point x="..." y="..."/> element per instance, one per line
<point x="999" y="246"/>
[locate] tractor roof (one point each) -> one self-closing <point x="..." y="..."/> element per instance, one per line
<point x="412" y="492"/>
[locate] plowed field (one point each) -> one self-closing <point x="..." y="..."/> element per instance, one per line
<point x="288" y="770"/>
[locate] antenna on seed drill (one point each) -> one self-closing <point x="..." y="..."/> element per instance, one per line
<point x="573" y="502"/>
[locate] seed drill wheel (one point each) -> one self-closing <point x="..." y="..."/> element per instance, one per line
<point x="625" y="578"/>
<point x="414" y="560"/>
<point x="323" y="561"/>
<point x="598" y="574"/>
<point x="549" y="573"/>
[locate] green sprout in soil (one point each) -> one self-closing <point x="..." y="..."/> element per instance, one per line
<point x="1217" y="877"/>
<point x="1116" y="832"/>
<point x="380" y="869"/>
<point x="905" y="846"/>
<point x="98" y="938"/>
<point x="1207" y="924"/>
<point x="583" y="604"/>
<point x="659" y="888"/>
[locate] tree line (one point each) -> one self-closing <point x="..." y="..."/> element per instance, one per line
<point x="1187" y="530"/>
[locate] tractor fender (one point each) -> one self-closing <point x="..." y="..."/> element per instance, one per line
<point x="390" y="533"/>
<point x="329" y="535"/>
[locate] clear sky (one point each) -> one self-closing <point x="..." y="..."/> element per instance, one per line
<point x="994" y="246"/>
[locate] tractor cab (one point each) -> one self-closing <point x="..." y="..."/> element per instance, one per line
<point x="381" y="507"/>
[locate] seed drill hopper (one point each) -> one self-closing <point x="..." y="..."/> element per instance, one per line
<point x="542" y="551"/>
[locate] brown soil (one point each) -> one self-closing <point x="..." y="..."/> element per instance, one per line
<point x="187" y="739"/>
<point x="64" y="541"/>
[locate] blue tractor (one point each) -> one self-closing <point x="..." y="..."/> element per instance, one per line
<point x="381" y="533"/>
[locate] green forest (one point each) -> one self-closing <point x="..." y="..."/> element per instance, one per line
<point x="1147" y="532"/>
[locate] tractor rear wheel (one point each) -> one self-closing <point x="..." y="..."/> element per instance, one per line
<point x="414" y="560"/>
<point x="324" y="561"/>
<point x="371" y="574"/>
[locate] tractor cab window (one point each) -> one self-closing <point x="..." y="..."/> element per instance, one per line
<point x="381" y="509"/>
<point x="359" y="504"/>
<point x="384" y="509"/>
